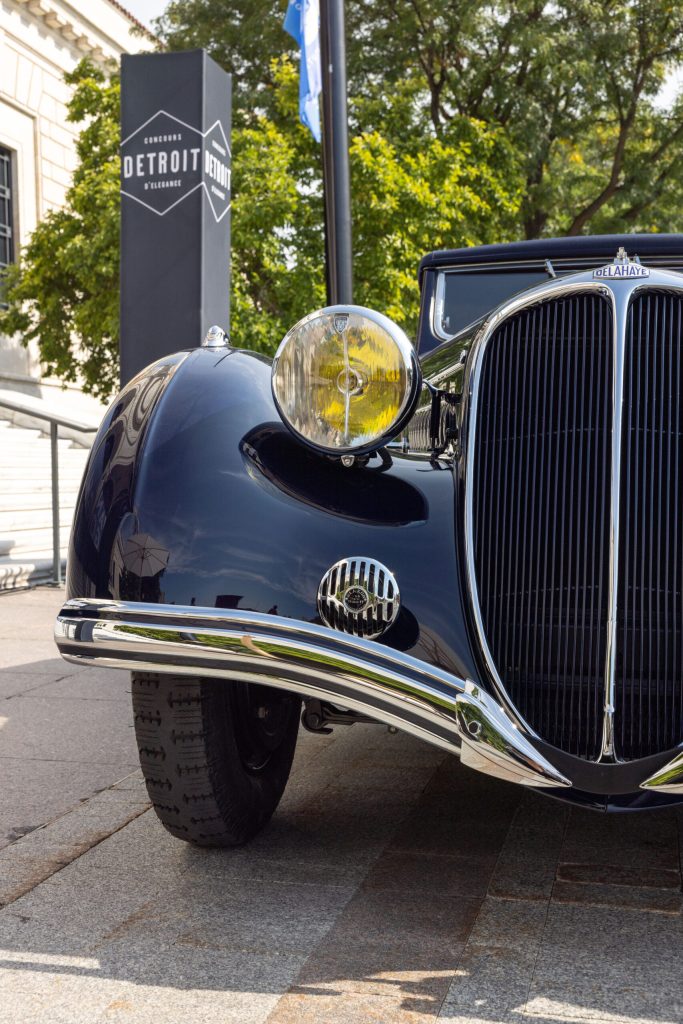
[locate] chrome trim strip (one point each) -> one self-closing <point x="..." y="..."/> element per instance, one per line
<point x="620" y="303"/>
<point x="438" y="303"/>
<point x="620" y="292"/>
<point x="668" y="779"/>
<point x="313" y="660"/>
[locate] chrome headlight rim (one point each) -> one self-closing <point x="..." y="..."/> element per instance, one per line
<point x="408" y="357"/>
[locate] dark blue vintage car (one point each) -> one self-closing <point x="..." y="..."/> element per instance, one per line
<point x="478" y="540"/>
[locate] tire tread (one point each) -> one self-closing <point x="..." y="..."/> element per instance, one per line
<point x="198" y="786"/>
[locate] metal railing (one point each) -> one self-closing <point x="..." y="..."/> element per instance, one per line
<point x="56" y="420"/>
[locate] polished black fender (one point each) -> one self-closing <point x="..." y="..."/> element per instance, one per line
<point x="196" y="494"/>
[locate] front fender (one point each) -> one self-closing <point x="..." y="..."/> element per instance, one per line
<point x="196" y="494"/>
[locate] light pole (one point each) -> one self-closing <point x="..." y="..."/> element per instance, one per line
<point x="336" y="179"/>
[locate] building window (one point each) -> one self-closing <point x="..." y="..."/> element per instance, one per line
<point x="6" y="200"/>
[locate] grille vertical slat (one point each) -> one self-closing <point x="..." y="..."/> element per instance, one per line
<point x="540" y="515"/>
<point x="510" y="595"/>
<point x="649" y="681"/>
<point x="571" y="694"/>
<point x="521" y="545"/>
<point x="675" y="376"/>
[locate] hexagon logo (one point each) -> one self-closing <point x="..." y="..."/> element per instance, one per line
<point x="165" y="160"/>
<point x="216" y="173"/>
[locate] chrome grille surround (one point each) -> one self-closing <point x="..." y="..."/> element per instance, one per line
<point x="619" y="293"/>
<point x="359" y="595"/>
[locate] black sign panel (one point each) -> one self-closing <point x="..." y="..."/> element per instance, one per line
<point x="165" y="160"/>
<point x="175" y="203"/>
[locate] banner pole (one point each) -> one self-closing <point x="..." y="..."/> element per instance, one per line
<point x="336" y="177"/>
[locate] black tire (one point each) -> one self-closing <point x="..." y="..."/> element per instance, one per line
<point x="216" y="755"/>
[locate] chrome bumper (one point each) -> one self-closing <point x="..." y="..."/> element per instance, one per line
<point x="365" y="676"/>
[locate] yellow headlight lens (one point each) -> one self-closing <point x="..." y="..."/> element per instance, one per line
<point x="344" y="377"/>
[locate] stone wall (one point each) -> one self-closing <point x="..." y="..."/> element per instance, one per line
<point x="39" y="41"/>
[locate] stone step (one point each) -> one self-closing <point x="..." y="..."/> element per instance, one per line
<point x="11" y="488"/>
<point x="17" y="573"/>
<point x="18" y="482"/>
<point x="26" y="502"/>
<point x="17" y="432"/>
<point x="7" y="429"/>
<point x="40" y="471"/>
<point x="28" y="472"/>
<point x="14" y="522"/>
<point x="30" y="553"/>
<point x="40" y="448"/>
<point x="19" y="436"/>
<point x="38" y="543"/>
<point x="15" y="500"/>
<point x="40" y="453"/>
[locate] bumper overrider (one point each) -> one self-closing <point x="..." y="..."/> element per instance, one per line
<point x="312" y="660"/>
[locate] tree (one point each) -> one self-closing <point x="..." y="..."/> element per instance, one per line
<point x="243" y="36"/>
<point x="410" y="197"/>
<point x="573" y="84"/>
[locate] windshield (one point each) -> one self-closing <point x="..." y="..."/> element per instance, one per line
<point x="465" y="294"/>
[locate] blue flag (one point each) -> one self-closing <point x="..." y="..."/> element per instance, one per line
<point x="302" y="21"/>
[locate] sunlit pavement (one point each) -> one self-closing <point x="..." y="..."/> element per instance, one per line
<point x="392" y="885"/>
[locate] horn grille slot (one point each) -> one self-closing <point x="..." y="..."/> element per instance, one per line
<point x="359" y="596"/>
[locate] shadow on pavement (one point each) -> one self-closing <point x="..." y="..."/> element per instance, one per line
<point x="392" y="885"/>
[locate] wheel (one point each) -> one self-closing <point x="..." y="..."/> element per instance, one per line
<point x="216" y="755"/>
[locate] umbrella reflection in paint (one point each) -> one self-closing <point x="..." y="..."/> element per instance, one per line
<point x="143" y="555"/>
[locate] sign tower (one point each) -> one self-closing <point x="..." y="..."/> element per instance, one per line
<point x="175" y="204"/>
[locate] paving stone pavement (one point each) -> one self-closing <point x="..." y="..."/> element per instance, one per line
<point x="391" y="886"/>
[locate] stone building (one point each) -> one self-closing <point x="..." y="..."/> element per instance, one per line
<point x="40" y="40"/>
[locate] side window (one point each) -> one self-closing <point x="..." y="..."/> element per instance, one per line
<point x="465" y="296"/>
<point x="7" y="253"/>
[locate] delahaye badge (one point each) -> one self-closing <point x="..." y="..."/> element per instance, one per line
<point x="622" y="267"/>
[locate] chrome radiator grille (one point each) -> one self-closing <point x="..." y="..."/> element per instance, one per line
<point x="649" y="666"/>
<point x="541" y="513"/>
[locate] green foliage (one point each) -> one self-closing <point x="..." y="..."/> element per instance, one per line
<point x="243" y="36"/>
<point x="573" y="84"/>
<point x="408" y="197"/>
<point x="419" y="195"/>
<point x="277" y="226"/>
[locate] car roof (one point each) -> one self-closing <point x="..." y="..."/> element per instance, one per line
<point x="600" y="246"/>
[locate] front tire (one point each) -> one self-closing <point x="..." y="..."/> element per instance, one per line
<point x="215" y="754"/>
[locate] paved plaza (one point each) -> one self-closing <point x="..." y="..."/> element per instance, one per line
<point x="392" y="885"/>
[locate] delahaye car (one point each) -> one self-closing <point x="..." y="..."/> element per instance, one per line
<point x="477" y="540"/>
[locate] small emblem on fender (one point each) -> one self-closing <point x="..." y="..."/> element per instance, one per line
<point x="356" y="599"/>
<point x="622" y="268"/>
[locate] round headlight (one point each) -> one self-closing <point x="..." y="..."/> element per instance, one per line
<point x="345" y="379"/>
